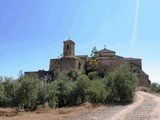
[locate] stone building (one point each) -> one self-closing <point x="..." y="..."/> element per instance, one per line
<point x="108" y="61"/>
<point x="69" y="61"/>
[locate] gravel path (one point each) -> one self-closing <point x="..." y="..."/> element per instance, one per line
<point x="146" y="107"/>
<point x="144" y="110"/>
<point x="100" y="113"/>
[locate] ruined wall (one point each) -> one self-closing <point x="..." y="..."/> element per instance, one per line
<point x="83" y="57"/>
<point x="143" y="79"/>
<point x="52" y="64"/>
<point x="134" y="65"/>
<point x="136" y="62"/>
<point x="67" y="63"/>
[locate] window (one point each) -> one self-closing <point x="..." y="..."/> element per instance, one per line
<point x="137" y="71"/>
<point x="67" y="47"/>
<point x="79" y="66"/>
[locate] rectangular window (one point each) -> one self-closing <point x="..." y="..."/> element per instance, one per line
<point x="67" y="47"/>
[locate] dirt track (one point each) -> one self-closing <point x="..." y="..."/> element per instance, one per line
<point x="145" y="107"/>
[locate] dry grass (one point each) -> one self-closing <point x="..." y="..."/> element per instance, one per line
<point x="143" y="89"/>
<point x="46" y="113"/>
<point x="8" y="112"/>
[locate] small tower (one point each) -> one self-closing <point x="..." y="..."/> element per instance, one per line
<point x="68" y="48"/>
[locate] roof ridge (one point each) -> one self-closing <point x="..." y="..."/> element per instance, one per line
<point x="105" y="50"/>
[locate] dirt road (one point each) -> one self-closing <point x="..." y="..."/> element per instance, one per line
<point x="145" y="107"/>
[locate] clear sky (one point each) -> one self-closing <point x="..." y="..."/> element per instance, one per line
<point x="33" y="31"/>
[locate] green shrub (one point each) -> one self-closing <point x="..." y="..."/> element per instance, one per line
<point x="10" y="88"/>
<point x="72" y="75"/>
<point x="79" y="94"/>
<point x="28" y="92"/>
<point x="121" y="85"/>
<point x="48" y="94"/>
<point x="97" y="92"/>
<point x="72" y="92"/>
<point x="69" y="89"/>
<point x="64" y="89"/>
<point x="155" y="87"/>
<point x="92" y="75"/>
<point x="3" y="97"/>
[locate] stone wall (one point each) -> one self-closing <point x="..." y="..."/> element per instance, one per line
<point x="134" y="65"/>
<point x="67" y="63"/>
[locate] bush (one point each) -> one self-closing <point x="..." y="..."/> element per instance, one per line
<point x="79" y="94"/>
<point x="92" y="75"/>
<point x="64" y="88"/>
<point x="72" y="88"/>
<point x="10" y="89"/>
<point x="69" y="89"/>
<point x="121" y="85"/>
<point x="71" y="92"/>
<point x="72" y="75"/>
<point x="155" y="87"/>
<point x="3" y="98"/>
<point x="97" y="92"/>
<point x="48" y="94"/>
<point x="28" y="92"/>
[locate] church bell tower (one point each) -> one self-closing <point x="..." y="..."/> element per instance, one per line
<point x="68" y="48"/>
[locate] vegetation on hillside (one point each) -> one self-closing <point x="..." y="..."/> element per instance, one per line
<point x="155" y="87"/>
<point x="68" y="89"/>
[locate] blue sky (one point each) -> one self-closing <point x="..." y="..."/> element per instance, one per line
<point x="33" y="31"/>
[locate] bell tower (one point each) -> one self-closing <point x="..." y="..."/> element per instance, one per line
<point x="68" y="48"/>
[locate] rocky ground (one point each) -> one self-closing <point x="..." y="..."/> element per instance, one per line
<point x="145" y="107"/>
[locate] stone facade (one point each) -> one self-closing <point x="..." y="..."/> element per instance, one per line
<point x="68" y="48"/>
<point x="66" y="63"/>
<point x="108" y="61"/>
<point x="69" y="61"/>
